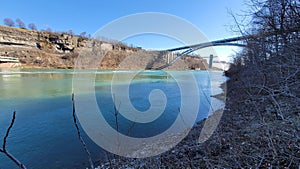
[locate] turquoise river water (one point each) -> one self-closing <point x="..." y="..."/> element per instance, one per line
<point x="44" y="135"/>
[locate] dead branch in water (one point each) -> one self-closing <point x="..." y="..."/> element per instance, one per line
<point x="4" y="151"/>
<point x="79" y="134"/>
<point x="116" y="113"/>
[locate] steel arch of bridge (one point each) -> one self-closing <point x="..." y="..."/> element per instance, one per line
<point x="204" y="45"/>
<point x="224" y="42"/>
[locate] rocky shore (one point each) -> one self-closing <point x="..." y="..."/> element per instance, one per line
<point x="248" y="136"/>
<point x="189" y="153"/>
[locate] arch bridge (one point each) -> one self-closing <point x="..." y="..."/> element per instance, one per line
<point x="224" y="42"/>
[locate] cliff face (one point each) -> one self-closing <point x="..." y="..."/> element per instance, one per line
<point x="53" y="50"/>
<point x="35" y="48"/>
<point x="51" y="42"/>
<point x="42" y="49"/>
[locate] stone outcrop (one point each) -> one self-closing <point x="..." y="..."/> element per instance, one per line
<point x="59" y="43"/>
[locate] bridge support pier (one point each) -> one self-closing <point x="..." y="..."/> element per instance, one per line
<point x="211" y="57"/>
<point x="170" y="57"/>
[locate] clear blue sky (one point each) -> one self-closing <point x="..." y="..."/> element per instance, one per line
<point x="210" y="16"/>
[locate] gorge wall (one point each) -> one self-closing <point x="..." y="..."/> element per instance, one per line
<point x="60" y="50"/>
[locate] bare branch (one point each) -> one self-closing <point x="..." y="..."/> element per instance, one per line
<point x="8" y="130"/>
<point x="3" y="150"/>
<point x="79" y="134"/>
<point x="116" y="112"/>
<point x="237" y="24"/>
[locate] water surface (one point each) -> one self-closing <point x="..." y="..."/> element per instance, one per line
<point x="44" y="135"/>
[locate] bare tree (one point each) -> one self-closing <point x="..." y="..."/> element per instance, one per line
<point x="20" y="23"/>
<point x="48" y="29"/>
<point x="70" y="32"/>
<point x="269" y="75"/>
<point x="83" y="34"/>
<point x="9" y="22"/>
<point x="32" y="26"/>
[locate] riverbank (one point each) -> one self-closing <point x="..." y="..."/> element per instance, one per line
<point x="248" y="135"/>
<point x="19" y="66"/>
<point x="10" y="65"/>
<point x="187" y="154"/>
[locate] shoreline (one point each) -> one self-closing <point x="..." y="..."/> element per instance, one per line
<point x="180" y="155"/>
<point x="24" y="66"/>
<point x="221" y="96"/>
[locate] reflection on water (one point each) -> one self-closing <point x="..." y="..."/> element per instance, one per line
<point x="24" y="84"/>
<point x="46" y="83"/>
<point x="44" y="135"/>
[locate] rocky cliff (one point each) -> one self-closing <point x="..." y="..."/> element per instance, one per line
<point x="60" y="50"/>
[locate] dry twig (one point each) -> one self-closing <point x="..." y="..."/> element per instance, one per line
<point x="79" y="134"/>
<point x="3" y="150"/>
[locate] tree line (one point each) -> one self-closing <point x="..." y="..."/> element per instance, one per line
<point x="267" y="72"/>
<point x="20" y="24"/>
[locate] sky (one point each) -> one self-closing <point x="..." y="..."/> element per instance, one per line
<point x="211" y="17"/>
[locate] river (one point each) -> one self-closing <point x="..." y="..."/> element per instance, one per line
<point x="44" y="135"/>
